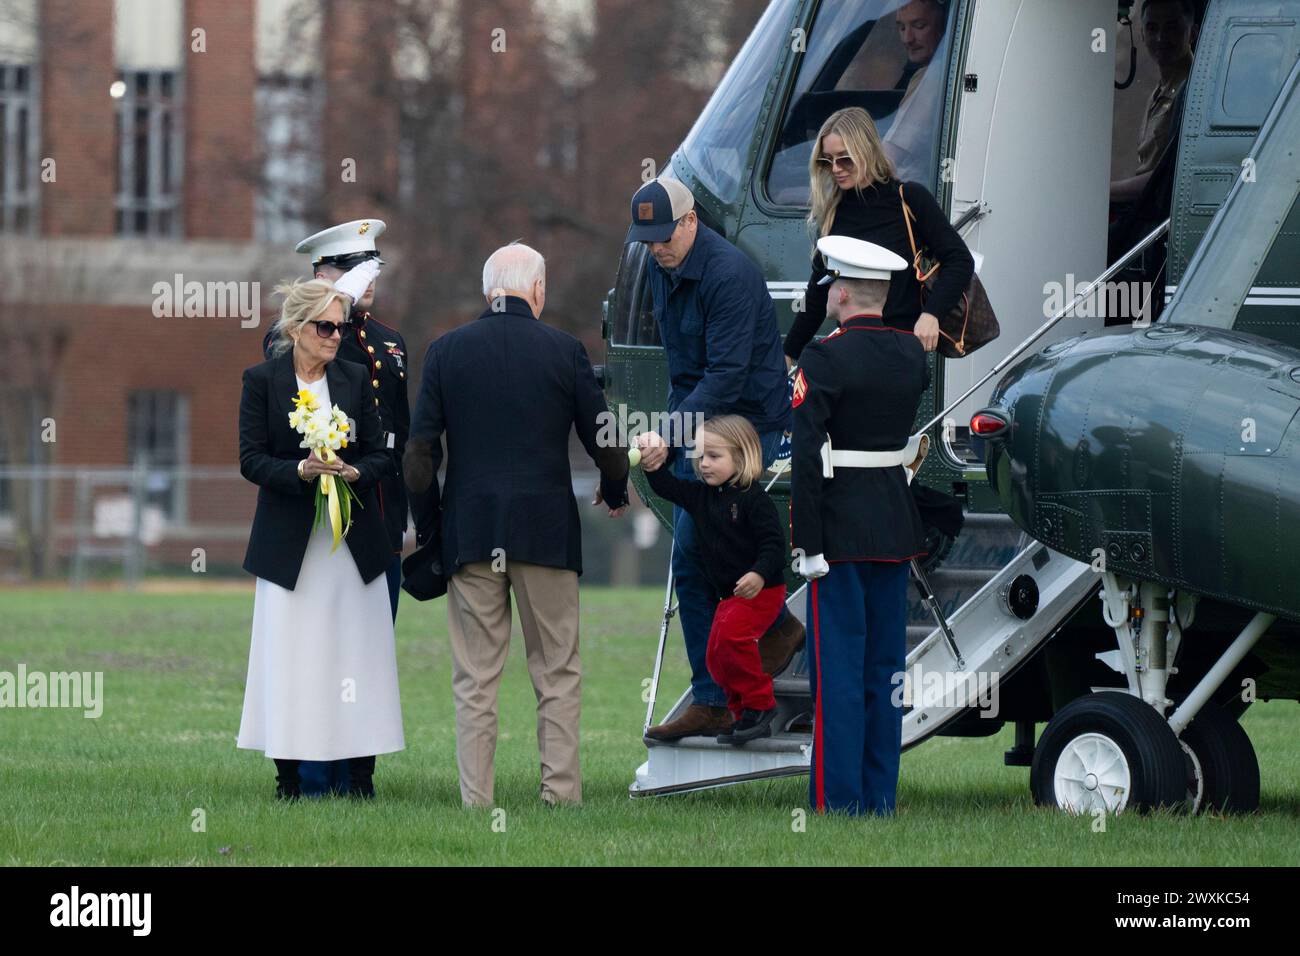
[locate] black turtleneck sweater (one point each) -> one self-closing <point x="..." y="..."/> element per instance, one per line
<point x="876" y="215"/>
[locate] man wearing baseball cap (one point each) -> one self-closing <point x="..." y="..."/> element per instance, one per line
<point x="718" y="327"/>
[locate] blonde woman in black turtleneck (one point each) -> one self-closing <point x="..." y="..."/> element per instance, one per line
<point x="855" y="193"/>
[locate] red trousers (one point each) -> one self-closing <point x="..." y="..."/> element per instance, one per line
<point x="732" y="656"/>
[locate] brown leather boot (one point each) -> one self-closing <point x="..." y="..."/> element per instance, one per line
<point x="778" y="646"/>
<point x="696" y="721"/>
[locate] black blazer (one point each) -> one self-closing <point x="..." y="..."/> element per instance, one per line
<point x="269" y="456"/>
<point x="507" y="390"/>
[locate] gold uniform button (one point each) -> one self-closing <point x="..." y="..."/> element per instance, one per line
<point x="362" y="333"/>
<point x="402" y="374"/>
<point x="370" y="349"/>
<point x="375" y="383"/>
<point x="376" y="401"/>
<point x="378" y="365"/>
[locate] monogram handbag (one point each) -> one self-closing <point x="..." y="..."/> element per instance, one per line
<point x="971" y="322"/>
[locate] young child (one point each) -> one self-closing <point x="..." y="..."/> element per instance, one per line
<point x="743" y="548"/>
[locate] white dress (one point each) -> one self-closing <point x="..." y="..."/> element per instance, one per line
<point x="322" y="669"/>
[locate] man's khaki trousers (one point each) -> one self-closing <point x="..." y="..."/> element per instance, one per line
<point x="478" y="615"/>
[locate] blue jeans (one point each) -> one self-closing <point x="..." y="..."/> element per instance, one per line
<point x="318" y="778"/>
<point x="696" y="598"/>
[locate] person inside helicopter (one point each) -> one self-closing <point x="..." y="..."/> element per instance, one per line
<point x="876" y="56"/>
<point x="1139" y="203"/>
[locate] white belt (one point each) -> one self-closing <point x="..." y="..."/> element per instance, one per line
<point x="870" y="459"/>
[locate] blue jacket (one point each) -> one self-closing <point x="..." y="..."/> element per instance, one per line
<point x="717" y="322"/>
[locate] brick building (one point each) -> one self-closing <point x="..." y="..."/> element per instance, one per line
<point x="147" y="146"/>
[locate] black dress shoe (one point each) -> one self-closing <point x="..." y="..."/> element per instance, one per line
<point x="287" y="783"/>
<point x="752" y="725"/>
<point x="361" y="771"/>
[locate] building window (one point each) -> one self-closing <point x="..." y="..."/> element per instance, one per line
<point x="149" y="153"/>
<point x="158" y="439"/>
<point x="290" y="191"/>
<point x="18" y="174"/>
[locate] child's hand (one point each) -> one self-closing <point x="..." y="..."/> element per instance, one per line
<point x="749" y="585"/>
<point x="654" y="450"/>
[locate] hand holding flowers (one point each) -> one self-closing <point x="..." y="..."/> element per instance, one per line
<point x="325" y="431"/>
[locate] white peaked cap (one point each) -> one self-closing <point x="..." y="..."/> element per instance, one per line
<point x="848" y="258"/>
<point x="345" y="239"/>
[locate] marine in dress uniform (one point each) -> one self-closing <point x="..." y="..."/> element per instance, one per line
<point x="381" y="350"/>
<point x="854" y="527"/>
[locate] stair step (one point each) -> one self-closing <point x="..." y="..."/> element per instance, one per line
<point x="777" y="743"/>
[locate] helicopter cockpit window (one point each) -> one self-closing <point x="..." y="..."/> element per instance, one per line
<point x="889" y="57"/>
<point x="718" y="144"/>
<point x="632" y="308"/>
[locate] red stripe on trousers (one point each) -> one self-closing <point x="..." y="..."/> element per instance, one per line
<point x="819" y="774"/>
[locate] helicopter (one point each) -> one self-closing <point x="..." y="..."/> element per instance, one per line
<point x="1121" y="572"/>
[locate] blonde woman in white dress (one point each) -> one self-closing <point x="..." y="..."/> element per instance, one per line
<point x="322" y="668"/>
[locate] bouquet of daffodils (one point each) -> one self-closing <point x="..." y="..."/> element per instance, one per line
<point x="325" y="431"/>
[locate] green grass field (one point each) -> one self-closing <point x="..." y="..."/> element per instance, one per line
<point x="122" y="789"/>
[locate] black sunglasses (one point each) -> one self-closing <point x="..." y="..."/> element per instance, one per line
<point x="326" y="329"/>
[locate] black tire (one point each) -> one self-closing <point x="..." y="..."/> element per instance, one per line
<point x="1157" y="765"/>
<point x="1228" y="765"/>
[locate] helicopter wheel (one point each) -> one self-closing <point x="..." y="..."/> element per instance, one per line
<point x="1222" y="768"/>
<point x="1109" y="751"/>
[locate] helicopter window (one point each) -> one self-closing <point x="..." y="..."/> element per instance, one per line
<point x="1251" y="82"/>
<point x="633" y="306"/>
<point x="718" y="143"/>
<point x="888" y="57"/>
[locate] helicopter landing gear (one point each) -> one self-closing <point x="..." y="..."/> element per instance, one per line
<point x="1116" y="750"/>
<point x="1108" y="752"/>
<point x="1223" y="771"/>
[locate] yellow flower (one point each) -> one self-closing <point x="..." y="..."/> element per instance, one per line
<point x="306" y="399"/>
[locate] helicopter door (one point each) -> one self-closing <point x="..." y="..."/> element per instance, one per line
<point x="1033" y="146"/>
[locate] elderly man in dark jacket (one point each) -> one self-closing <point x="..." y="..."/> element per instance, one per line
<point x="505" y="390"/>
<point x="718" y="327"/>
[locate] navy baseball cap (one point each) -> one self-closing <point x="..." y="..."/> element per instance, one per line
<point x="656" y="207"/>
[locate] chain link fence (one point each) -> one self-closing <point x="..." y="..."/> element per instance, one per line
<point x="83" y="524"/>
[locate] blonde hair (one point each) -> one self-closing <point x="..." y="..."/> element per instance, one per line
<point x="304" y="300"/>
<point x="862" y="142"/>
<point x="738" y="437"/>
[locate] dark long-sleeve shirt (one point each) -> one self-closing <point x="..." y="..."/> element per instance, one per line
<point x="738" y="529"/>
<point x="876" y="215"/>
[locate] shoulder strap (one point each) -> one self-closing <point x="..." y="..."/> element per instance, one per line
<point x="908" y="216"/>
